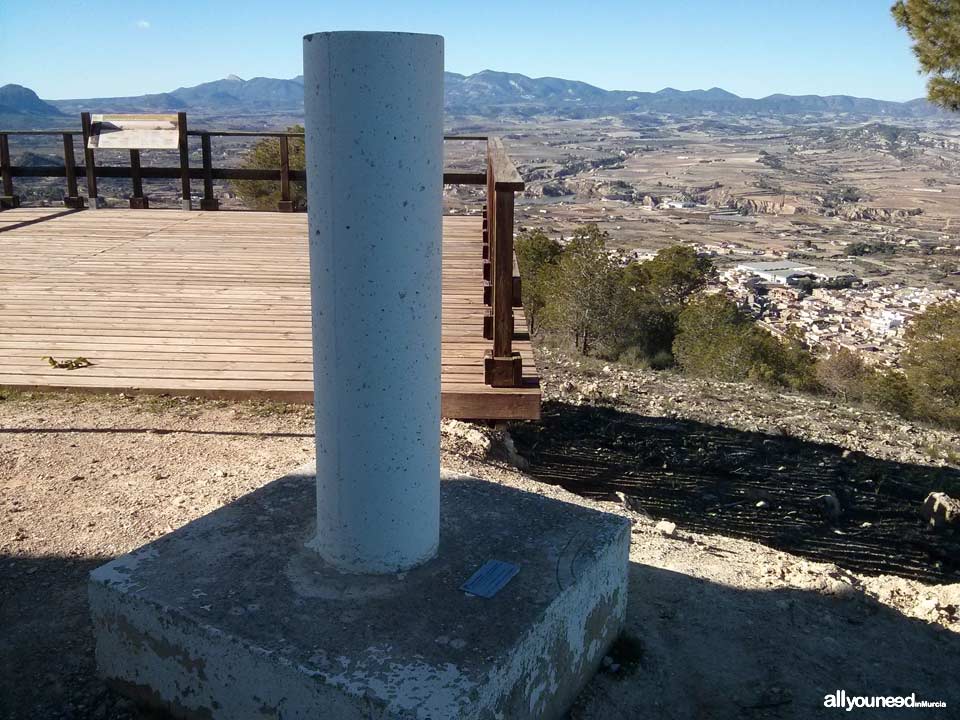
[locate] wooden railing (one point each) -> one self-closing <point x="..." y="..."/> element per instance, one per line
<point x="137" y="173"/>
<point x="503" y="366"/>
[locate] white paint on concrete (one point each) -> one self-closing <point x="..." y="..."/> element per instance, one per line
<point x="118" y="574"/>
<point x="374" y="153"/>
<point x="409" y="689"/>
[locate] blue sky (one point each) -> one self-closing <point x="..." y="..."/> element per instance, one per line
<point x="69" y="49"/>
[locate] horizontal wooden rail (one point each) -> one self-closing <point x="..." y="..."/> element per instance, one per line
<point x="221" y="133"/>
<point x="245" y="133"/>
<point x="173" y="173"/>
<point x="73" y="131"/>
<point x="158" y="173"/>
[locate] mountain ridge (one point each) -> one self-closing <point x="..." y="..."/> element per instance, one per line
<point x="20" y="100"/>
<point x="492" y="93"/>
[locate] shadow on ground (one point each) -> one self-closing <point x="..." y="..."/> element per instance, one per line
<point x="707" y="651"/>
<point x="814" y="500"/>
<point x="46" y="643"/>
<point x="711" y="652"/>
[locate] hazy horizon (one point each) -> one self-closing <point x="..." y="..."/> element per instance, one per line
<point x="614" y="89"/>
<point x="750" y="48"/>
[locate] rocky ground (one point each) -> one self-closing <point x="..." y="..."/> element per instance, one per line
<point x="799" y="473"/>
<point x="749" y="408"/>
<point x="724" y="621"/>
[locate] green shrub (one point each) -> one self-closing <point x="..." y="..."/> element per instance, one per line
<point x="663" y="360"/>
<point x="265" y="155"/>
<point x="889" y="390"/>
<point x="673" y="276"/>
<point x="538" y="257"/>
<point x="715" y="340"/>
<point x="709" y="340"/>
<point x="843" y="374"/>
<point x="582" y="299"/>
<point x="583" y="295"/>
<point x="931" y="364"/>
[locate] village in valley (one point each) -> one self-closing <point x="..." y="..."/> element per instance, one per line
<point x="841" y="228"/>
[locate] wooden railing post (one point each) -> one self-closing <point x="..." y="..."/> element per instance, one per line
<point x="89" y="163"/>
<point x="285" y="204"/>
<point x="489" y="225"/>
<point x="184" y="162"/>
<point x="72" y="199"/>
<point x="486" y="237"/>
<point x="209" y="202"/>
<point x="503" y="276"/>
<point x="138" y="200"/>
<point x="502" y="366"/>
<point x="8" y="200"/>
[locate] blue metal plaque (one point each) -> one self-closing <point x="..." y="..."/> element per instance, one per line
<point x="490" y="579"/>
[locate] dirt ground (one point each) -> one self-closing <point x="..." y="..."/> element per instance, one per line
<point x="718" y="627"/>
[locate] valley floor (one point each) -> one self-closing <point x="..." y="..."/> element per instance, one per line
<point x="722" y="627"/>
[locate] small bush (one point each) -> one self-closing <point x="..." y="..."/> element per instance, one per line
<point x="844" y="374"/>
<point x="265" y="155"/>
<point x="663" y="360"/>
<point x="582" y="295"/>
<point x="931" y="364"/>
<point x="889" y="390"/>
<point x="715" y="340"/>
<point x="628" y="652"/>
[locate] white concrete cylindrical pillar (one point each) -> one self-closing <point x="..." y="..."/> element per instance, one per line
<point x="374" y="156"/>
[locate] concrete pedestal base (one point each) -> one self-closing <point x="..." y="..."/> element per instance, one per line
<point x="232" y="616"/>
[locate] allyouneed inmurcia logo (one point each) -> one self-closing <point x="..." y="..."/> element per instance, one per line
<point x="841" y="700"/>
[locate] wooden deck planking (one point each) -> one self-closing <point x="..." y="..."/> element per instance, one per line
<point x="215" y="304"/>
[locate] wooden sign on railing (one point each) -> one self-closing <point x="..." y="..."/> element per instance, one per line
<point x="134" y="132"/>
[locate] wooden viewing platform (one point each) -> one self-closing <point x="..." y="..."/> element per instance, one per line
<point x="217" y="304"/>
<point x="209" y="303"/>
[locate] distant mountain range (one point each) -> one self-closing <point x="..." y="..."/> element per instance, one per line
<point x="487" y="94"/>
<point x="232" y="95"/>
<point x="472" y="94"/>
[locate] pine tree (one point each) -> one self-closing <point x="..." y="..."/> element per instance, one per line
<point x="934" y="27"/>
